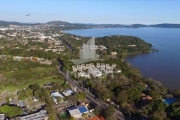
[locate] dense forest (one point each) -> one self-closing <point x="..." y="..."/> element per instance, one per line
<point x="124" y="45"/>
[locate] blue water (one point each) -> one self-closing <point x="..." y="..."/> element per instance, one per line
<point x="164" y="65"/>
<point x="170" y="100"/>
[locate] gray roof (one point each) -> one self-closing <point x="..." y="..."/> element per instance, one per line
<point x="2" y="116"/>
<point x="36" y="116"/>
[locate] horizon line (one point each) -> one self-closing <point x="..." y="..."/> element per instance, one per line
<point x="88" y="23"/>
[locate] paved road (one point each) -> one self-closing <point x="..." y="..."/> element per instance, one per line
<point x="91" y="97"/>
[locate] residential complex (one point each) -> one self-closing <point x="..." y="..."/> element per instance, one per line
<point x="98" y="70"/>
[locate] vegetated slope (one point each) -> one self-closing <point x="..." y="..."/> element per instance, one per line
<point x="124" y="44"/>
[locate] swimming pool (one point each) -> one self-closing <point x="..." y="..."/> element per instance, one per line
<point x="170" y="100"/>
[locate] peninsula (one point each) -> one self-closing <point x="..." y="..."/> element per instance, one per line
<point x="37" y="76"/>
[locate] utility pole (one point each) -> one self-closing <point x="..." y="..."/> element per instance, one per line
<point x="129" y="114"/>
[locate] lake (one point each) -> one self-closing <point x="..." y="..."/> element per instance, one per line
<point x="164" y="65"/>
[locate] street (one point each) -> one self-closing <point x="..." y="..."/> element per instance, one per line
<point x="101" y="104"/>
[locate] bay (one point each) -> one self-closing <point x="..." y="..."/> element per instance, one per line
<point x="163" y="66"/>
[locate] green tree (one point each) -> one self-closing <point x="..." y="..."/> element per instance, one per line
<point x="175" y="111"/>
<point x="84" y="115"/>
<point x="57" y="85"/>
<point x="96" y="112"/>
<point x="134" y="93"/>
<point x="157" y="105"/>
<point x="155" y="94"/>
<point x="163" y="90"/>
<point x="10" y="111"/>
<point x="80" y="96"/>
<point x="34" y="87"/>
<point x="22" y="95"/>
<point x="72" y="118"/>
<point x="109" y="111"/>
<point x="103" y="92"/>
<point x="7" y="99"/>
<point x="122" y="97"/>
<point x="157" y="115"/>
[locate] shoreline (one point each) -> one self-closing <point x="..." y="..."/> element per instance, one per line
<point x="153" y="50"/>
<point x="131" y="65"/>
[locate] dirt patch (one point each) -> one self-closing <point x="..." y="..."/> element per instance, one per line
<point x="33" y="104"/>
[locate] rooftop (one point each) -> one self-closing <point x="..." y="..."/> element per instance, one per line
<point x="57" y="94"/>
<point x="2" y="116"/>
<point x="77" y="111"/>
<point x="67" y="92"/>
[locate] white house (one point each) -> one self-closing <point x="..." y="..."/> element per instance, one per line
<point x="67" y="92"/>
<point x="77" y="111"/>
<point x="56" y="95"/>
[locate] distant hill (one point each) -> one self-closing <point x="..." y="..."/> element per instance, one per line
<point x="58" y="23"/>
<point x="166" y="25"/>
<point x="7" y="23"/>
<point x="138" y="25"/>
<point x="68" y="25"/>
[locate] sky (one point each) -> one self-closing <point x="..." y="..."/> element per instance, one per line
<point x="91" y="11"/>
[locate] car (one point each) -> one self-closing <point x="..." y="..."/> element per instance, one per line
<point x="25" y="112"/>
<point x="24" y="108"/>
<point x="34" y="109"/>
<point x="11" y="102"/>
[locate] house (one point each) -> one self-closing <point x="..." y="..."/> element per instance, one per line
<point x="56" y="95"/>
<point x="67" y="92"/>
<point x="96" y="118"/>
<point x="168" y="95"/>
<point x="118" y="71"/>
<point x="17" y="58"/>
<point x="35" y="99"/>
<point x="2" y="117"/>
<point x="64" y="105"/>
<point x="47" y="62"/>
<point x="47" y="86"/>
<point x="77" y="111"/>
<point x="54" y="50"/>
<point x="146" y="98"/>
<point x="132" y="45"/>
<point x="113" y="53"/>
<point x="41" y="115"/>
<point x="82" y="103"/>
<point x="2" y="47"/>
<point x="3" y="57"/>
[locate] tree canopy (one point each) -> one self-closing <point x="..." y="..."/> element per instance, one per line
<point x="10" y="111"/>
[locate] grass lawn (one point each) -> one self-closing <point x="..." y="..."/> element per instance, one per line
<point x="41" y="82"/>
<point x="25" y="73"/>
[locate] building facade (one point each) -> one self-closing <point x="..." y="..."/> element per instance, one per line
<point x="88" y="50"/>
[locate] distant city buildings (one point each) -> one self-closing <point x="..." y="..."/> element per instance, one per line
<point x="33" y="59"/>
